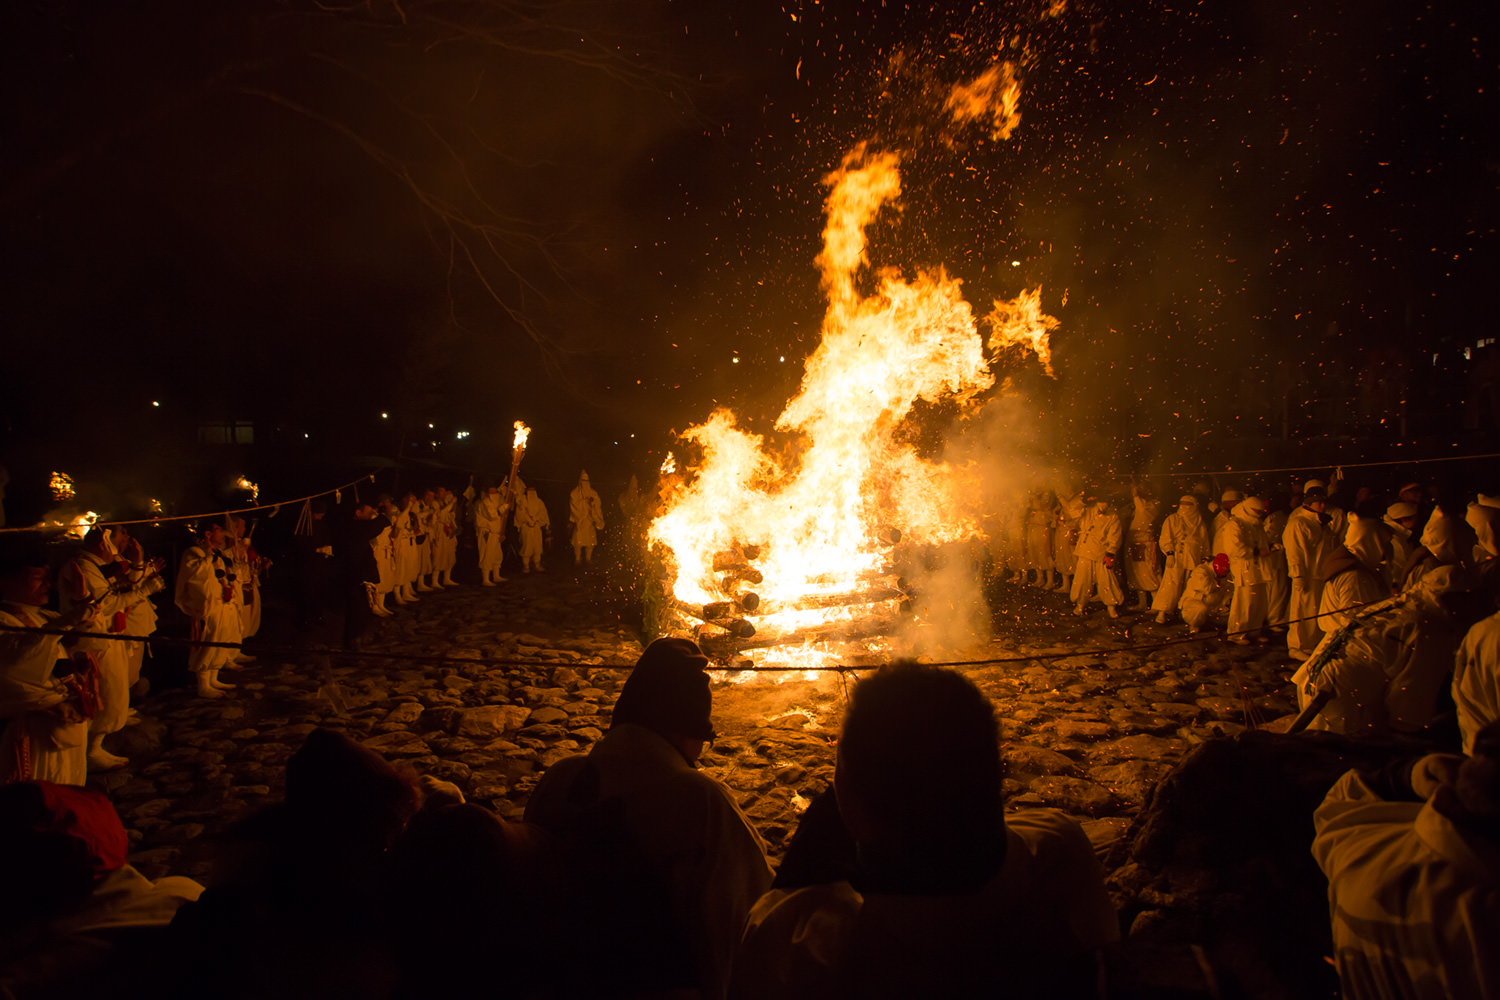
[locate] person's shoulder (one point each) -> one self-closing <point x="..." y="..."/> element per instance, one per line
<point x="1048" y="832"/>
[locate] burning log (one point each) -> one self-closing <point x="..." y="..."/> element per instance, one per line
<point x="724" y="646"/>
<point x="733" y="630"/>
<point x="724" y="614"/>
<point x="745" y="574"/>
<point x="848" y="599"/>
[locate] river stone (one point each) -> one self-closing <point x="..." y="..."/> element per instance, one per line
<point x="405" y="713"/>
<point x="1074" y="795"/>
<point x="547" y="714"/>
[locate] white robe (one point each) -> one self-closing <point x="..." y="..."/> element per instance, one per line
<point x="586" y="512"/>
<point x="531" y="518"/>
<point x="1185" y="542"/>
<point x="200" y="596"/>
<point x="385" y="563"/>
<point x="445" y="533"/>
<point x="82" y="581"/>
<point x="29" y="699"/>
<point x="1140" y="556"/>
<point x="1099" y="536"/>
<point x="1306" y="541"/>
<point x="1476" y="679"/>
<point x="1205" y="593"/>
<point x="489" y="530"/>
<point x="1245" y="543"/>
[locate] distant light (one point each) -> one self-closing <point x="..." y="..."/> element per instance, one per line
<point x="632" y="435"/>
<point x="429" y="427"/>
<point x="155" y="403"/>
<point x="462" y="434"/>
<point x="783" y="357"/>
<point x="1015" y="263"/>
<point x="434" y="444"/>
<point x="384" y="415"/>
<point x="735" y="360"/>
<point x="304" y="434"/>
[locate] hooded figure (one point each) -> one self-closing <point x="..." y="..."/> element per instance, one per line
<point x="206" y="587"/>
<point x="1099" y="539"/>
<point x="1278" y="582"/>
<point x="533" y="523"/>
<point x="1140" y="554"/>
<point x="1207" y="590"/>
<point x="1338" y="519"/>
<point x="1185" y="542"/>
<point x="490" y="512"/>
<point x="1037" y="540"/>
<point x="1247" y="547"/>
<point x="1484" y="518"/>
<point x="1352" y="574"/>
<point x="1064" y="542"/>
<point x="1446" y="541"/>
<point x="586" y="515"/>
<point x="1306" y="539"/>
<point x="1400" y="519"/>
<point x="1384" y="671"/>
<point x="1221" y="517"/>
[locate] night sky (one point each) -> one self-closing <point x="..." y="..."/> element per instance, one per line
<point x="1251" y="218"/>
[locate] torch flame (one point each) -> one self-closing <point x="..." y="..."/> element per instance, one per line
<point x="247" y="486"/>
<point x="80" y="525"/>
<point x="518" y="444"/>
<point x="61" y="485"/>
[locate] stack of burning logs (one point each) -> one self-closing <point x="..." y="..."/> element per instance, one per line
<point x="728" y="629"/>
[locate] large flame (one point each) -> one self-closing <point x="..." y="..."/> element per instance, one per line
<point x="813" y="512"/>
<point x="1021" y="323"/>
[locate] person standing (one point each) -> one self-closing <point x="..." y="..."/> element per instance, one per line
<point x="1140" y="554"/>
<point x="1070" y="513"/>
<point x="425" y="519"/>
<point x="445" y="533"/>
<point x="1099" y="537"/>
<point x="1037" y="539"/>
<point x="1351" y="575"/>
<point x="586" y="518"/>
<point x="360" y="571"/>
<point x="534" y="525"/>
<point x="140" y="617"/>
<point x="206" y="587"/>
<point x="1184" y="541"/>
<point x="1278" y="580"/>
<point x="1306" y="539"/>
<point x="490" y="514"/>
<point x="248" y="565"/>
<point x="1400" y="521"/>
<point x="95" y="577"/>
<point x="1247" y="547"/>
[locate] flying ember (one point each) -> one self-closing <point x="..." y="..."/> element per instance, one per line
<point x="804" y="535"/>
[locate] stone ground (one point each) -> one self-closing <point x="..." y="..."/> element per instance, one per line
<point x="1088" y="733"/>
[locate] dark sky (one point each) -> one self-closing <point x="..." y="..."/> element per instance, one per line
<point x="258" y="210"/>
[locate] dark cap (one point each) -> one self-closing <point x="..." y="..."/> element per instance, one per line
<point x="667" y="692"/>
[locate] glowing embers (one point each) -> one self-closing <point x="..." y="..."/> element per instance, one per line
<point x="244" y="485"/>
<point x="61" y="487"/>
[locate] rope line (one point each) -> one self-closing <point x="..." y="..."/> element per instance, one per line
<point x="301" y="652"/>
<point x="369" y="477"/>
<point x="1314" y="468"/>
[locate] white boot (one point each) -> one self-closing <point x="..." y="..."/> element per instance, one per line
<point x="101" y="759"/>
<point x="214" y="681"/>
<point x="206" y="688"/>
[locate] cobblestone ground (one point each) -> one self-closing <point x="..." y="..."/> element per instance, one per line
<point x="1089" y="734"/>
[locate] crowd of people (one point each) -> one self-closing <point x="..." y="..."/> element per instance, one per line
<point x="634" y="873"/>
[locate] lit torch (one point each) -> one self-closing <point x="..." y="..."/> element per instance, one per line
<point x="518" y="452"/>
<point x="80" y="525"/>
<point x="247" y="486"/>
<point x="61" y="485"/>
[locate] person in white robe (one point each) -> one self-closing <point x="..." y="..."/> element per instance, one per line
<point x="1247" y="547"/>
<point x="1140" y="548"/>
<point x="1338" y="518"/>
<point x="206" y="586"/>
<point x="45" y="717"/>
<point x="1099" y="537"/>
<point x="490" y="513"/>
<point x="248" y="566"/>
<point x="425" y="518"/>
<point x="1207" y="590"/>
<point x="1070" y="512"/>
<point x="445" y="529"/>
<point x="1227" y="501"/>
<point x="1278" y="579"/>
<point x="406" y="526"/>
<point x="1306" y="539"/>
<point x="1038" y="530"/>
<point x="140" y="617"/>
<point x="1399" y="522"/>
<point x="1184" y="541"/>
<point x="95" y="577"/>
<point x="385" y="565"/>
<point x="586" y="519"/>
<point x="534" y="525"/>
<point x="1351" y="574"/>
<point x="1412" y="857"/>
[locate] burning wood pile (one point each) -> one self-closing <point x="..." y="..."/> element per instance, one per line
<point x="773" y="555"/>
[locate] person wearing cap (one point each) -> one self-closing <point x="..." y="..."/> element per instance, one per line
<point x="94" y="576"/>
<point x="694" y="838"/>
<point x="1337" y="517"/>
<point x="1207" y="589"/>
<point x="586" y="520"/>
<point x="45" y="717"/>
<point x="1412" y="857"/>
<point x="1306" y="539"/>
<point x="205" y="592"/>
<point x="943" y="893"/>
<point x="1397" y="526"/>
<point x="1351" y="574"/>
<point x="1227" y="500"/>
<point x="1184" y="541"/>
<point x="1099" y="537"/>
<point x="1247" y="547"/>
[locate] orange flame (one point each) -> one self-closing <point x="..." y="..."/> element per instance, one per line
<point x="518" y="443"/>
<point x="1021" y="323"/>
<point x="994" y="95"/>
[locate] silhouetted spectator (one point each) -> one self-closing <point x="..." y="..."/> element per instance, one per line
<point x="1412" y="856"/>
<point x="951" y="898"/>
<point x="680" y="862"/>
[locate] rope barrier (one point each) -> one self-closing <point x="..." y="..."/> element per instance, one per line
<point x="301" y="652"/>
<point x="1314" y="468"/>
<point x="369" y="477"/>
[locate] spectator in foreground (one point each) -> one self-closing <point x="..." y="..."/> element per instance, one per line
<point x="949" y="897"/>
<point x="1412" y="856"/>
<point x="635" y="806"/>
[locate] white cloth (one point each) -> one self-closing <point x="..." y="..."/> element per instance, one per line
<point x="1099" y="537"/>
<point x="693" y="835"/>
<point x="489" y="530"/>
<point x="1278" y="580"/>
<point x="1306" y="541"/>
<point x="82" y="581"/>
<point x="202" y="577"/>
<point x="1205" y="593"/>
<point x="1244" y="541"/>
<point x="531" y="518"/>
<point x="1414" y="900"/>
<point x="1064" y="545"/>
<point x="247" y="579"/>
<point x="1045" y="907"/>
<point x="445" y="534"/>
<point x="1038" y="533"/>
<point x="385" y="561"/>
<point x="1476" y="679"/>
<point x="1140" y="555"/>
<point x="1185" y="541"/>
<point x="29" y="700"/>
<point x="586" y="512"/>
<point x="1447" y="538"/>
<point x="1342" y="593"/>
